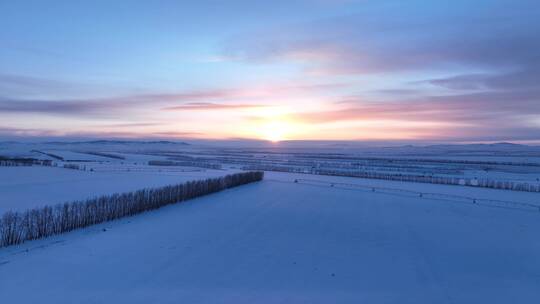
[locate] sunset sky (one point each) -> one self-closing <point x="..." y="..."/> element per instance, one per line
<point x="419" y="70"/>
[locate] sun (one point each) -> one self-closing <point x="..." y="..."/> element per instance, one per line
<point x="275" y="131"/>
<point x="273" y="124"/>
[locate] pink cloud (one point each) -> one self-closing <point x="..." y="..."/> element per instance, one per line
<point x="203" y="106"/>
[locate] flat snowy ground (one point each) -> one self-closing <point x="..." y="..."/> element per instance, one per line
<point x="22" y="188"/>
<point x="281" y="242"/>
<point x="473" y="192"/>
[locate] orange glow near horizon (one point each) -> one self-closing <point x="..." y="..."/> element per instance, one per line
<point x="293" y="119"/>
<point x="275" y="131"/>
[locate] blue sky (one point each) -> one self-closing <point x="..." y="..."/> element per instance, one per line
<point x="456" y="71"/>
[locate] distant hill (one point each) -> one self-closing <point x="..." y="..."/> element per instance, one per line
<point x="117" y="142"/>
<point x="493" y="146"/>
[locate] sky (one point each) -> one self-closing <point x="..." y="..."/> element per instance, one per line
<point x="366" y="70"/>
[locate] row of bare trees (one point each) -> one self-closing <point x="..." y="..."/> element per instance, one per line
<point x="17" y="227"/>
<point x="196" y="164"/>
<point x="443" y="180"/>
<point x="20" y="162"/>
<point x="10" y="163"/>
<point x="104" y="154"/>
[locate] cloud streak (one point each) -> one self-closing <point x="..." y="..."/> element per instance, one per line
<point x="205" y="106"/>
<point x="190" y="100"/>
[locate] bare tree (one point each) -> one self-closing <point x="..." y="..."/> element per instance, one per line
<point x="17" y="227"/>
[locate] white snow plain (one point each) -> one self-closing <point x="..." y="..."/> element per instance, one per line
<point x="23" y="188"/>
<point x="278" y="241"/>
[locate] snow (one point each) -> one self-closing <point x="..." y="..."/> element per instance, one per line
<point x="276" y="241"/>
<point x="77" y="156"/>
<point x="474" y="192"/>
<point x="22" y="188"/>
<point x="283" y="242"/>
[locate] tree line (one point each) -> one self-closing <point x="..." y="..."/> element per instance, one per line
<point x="17" y="227"/>
<point x="104" y="154"/>
<point x="196" y="164"/>
<point x="429" y="179"/>
<point x="19" y="162"/>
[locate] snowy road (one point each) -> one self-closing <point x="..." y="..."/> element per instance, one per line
<point x="278" y="242"/>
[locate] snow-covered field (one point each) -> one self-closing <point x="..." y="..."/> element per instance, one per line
<point x="22" y="188"/>
<point x="281" y="242"/>
<point x="293" y="238"/>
